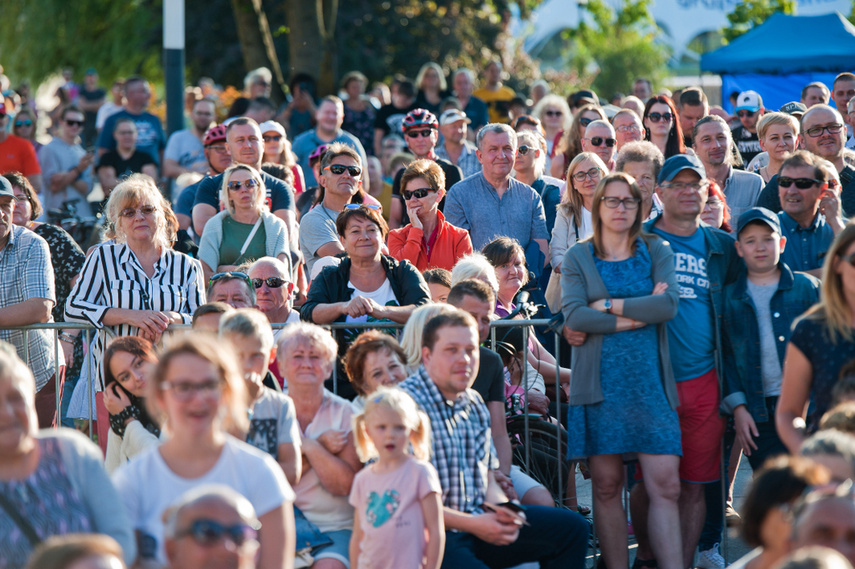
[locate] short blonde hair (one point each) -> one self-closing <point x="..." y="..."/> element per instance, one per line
<point x="248" y="323"/>
<point x="260" y="191"/>
<point x="399" y="401"/>
<point x="777" y="118"/>
<point x="411" y="336"/>
<point x="135" y="191"/>
<point x="475" y="266"/>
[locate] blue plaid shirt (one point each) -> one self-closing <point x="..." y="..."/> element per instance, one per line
<point x="462" y="448"/>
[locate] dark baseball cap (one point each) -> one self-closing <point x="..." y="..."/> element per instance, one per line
<point x="6" y="187"/>
<point x="758" y="214"/>
<point x="677" y="164"/>
<point x="794" y="108"/>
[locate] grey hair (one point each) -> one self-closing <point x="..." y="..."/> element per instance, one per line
<point x="475" y="266"/>
<point x="640" y="151"/>
<point x="249" y="323"/>
<point x="600" y="122"/>
<point x="208" y="493"/>
<point x="279" y="264"/>
<point x="260" y="73"/>
<point x="304" y="332"/>
<point x="497" y="128"/>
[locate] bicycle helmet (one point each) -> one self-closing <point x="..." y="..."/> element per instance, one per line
<point x="215" y="134"/>
<point x="419" y="117"/>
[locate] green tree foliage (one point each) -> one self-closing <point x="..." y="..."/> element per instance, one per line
<point x="620" y="43"/>
<point x="750" y="13"/>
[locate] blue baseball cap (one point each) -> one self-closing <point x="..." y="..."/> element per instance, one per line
<point x="758" y="214"/>
<point x="6" y="187"/>
<point x="677" y="164"/>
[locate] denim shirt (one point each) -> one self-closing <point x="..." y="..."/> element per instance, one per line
<point x="743" y="383"/>
<point x="723" y="267"/>
<point x="806" y="246"/>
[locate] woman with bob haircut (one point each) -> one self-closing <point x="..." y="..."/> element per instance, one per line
<point x="620" y="288"/>
<point x="197" y="394"/>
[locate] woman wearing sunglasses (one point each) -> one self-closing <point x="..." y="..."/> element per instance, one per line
<point x="135" y="284"/>
<point x="554" y="113"/>
<point x="661" y="126"/>
<point x="24" y="126"/>
<point x="529" y="166"/>
<point x="822" y="342"/>
<point x="570" y="144"/>
<point x="428" y="241"/>
<point x="620" y="288"/>
<point x="245" y="230"/>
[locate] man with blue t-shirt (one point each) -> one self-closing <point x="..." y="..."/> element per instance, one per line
<point x="705" y="260"/>
<point x="150" y="136"/>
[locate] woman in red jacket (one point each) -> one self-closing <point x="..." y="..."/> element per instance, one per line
<point x="428" y="241"/>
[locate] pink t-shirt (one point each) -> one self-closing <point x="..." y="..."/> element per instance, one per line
<point x="390" y="511"/>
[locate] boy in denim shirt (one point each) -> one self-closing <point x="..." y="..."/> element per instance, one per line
<point x="759" y="311"/>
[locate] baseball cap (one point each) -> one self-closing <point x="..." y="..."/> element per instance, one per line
<point x="452" y="116"/>
<point x="794" y="108"/>
<point x="677" y="164"/>
<point x="749" y="101"/>
<point x="91" y="71"/>
<point x="6" y="187"/>
<point x="758" y="214"/>
<point x="269" y="126"/>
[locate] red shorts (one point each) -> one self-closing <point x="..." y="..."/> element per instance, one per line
<point x="701" y="428"/>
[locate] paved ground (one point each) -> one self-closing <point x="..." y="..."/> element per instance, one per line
<point x="732" y="549"/>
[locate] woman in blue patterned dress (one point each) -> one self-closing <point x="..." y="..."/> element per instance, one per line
<point x="619" y="288"/>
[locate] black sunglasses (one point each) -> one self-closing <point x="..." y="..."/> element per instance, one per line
<point x="230" y="275"/>
<point x="339" y="169"/>
<point x="656" y="117"/>
<point x="420" y="193"/>
<point x="276" y="138"/>
<point x="801" y="183"/>
<point x="272" y="282"/>
<point x="599" y="140"/>
<point x="418" y="133"/>
<point x="585" y="121"/>
<point x="745" y="114"/>
<point x="553" y="113"/>
<point x="73" y="123"/>
<point x="209" y="532"/>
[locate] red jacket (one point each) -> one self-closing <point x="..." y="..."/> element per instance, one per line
<point x="451" y="244"/>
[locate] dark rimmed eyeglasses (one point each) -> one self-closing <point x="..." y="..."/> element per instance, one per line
<point x="271" y="282"/>
<point x="594" y="173"/>
<point x="419" y="193"/>
<point x="817" y="131"/>
<point x="612" y="202"/>
<point x="339" y="169"/>
<point x="230" y="275"/>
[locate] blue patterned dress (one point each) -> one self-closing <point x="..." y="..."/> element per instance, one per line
<point x="634" y="415"/>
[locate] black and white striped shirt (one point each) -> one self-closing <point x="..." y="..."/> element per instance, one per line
<point x="112" y="277"/>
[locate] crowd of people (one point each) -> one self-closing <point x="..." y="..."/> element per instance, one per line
<point x="696" y="264"/>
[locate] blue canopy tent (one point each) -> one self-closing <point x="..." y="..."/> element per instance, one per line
<point x="782" y="55"/>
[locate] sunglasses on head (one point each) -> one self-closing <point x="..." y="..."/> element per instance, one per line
<point x="132" y="211"/>
<point x="417" y="133"/>
<point x="420" y="193"/>
<point x="236" y="185"/>
<point x="801" y="183"/>
<point x="359" y="205"/>
<point x="339" y="169"/>
<point x="656" y="117"/>
<point x="229" y="275"/>
<point x="271" y="282"/>
<point x="26" y="122"/>
<point x="272" y="138"/>
<point x="209" y="532"/>
<point x="745" y="114"/>
<point x="599" y="140"/>
<point x="73" y="123"/>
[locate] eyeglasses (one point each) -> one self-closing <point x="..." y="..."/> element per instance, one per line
<point x="585" y="121"/>
<point x="219" y="148"/>
<point x="73" y="123"/>
<point x="628" y="128"/>
<point x="130" y="212"/>
<point x="816" y="132"/>
<point x="361" y="205"/>
<point x="599" y="140"/>
<point x="418" y="133"/>
<point x="236" y="185"/>
<point x="683" y="186"/>
<point x="276" y="138"/>
<point x="271" y="282"/>
<point x="339" y="169"/>
<point x="801" y="183"/>
<point x="553" y="113"/>
<point x="612" y="202"/>
<point x="745" y="114"/>
<point x="656" y="117"/>
<point x="524" y="149"/>
<point x="184" y="390"/>
<point x="593" y="173"/>
<point x="420" y="193"/>
<point x="26" y="122"/>
<point x="714" y="205"/>
<point x="208" y="532"/>
<point x="230" y="275"/>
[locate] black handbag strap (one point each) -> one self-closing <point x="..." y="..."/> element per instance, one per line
<point x="16" y="516"/>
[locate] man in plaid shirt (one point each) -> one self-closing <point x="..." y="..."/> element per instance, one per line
<point x="463" y="454"/>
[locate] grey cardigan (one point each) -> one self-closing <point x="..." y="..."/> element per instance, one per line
<point x="581" y="284"/>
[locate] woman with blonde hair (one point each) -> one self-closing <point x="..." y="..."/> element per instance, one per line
<point x="432" y="86"/>
<point x="411" y="337"/>
<point x="823" y="341"/>
<point x="778" y="134"/>
<point x="245" y="230"/>
<point x="570" y="144"/>
<point x="475" y="266"/>
<point x="555" y="116"/>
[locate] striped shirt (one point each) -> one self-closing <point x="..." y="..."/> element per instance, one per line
<point x="113" y="277"/>
<point x="462" y="448"/>
<point x="26" y="272"/>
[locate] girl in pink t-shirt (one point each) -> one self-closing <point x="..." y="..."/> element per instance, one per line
<point x="396" y="498"/>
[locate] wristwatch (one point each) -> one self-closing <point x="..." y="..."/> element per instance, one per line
<point x="608" y="306"/>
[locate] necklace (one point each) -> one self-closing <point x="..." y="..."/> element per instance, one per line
<point x="326" y="213"/>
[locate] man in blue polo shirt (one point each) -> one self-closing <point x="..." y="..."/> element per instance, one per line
<point x="811" y="212"/>
<point x="705" y="260"/>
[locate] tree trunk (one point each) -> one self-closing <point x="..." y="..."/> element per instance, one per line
<point x="311" y="25"/>
<point x="251" y="44"/>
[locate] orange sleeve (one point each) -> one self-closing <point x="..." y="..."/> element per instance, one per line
<point x="406" y="243"/>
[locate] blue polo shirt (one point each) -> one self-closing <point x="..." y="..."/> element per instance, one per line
<point x="806" y="246"/>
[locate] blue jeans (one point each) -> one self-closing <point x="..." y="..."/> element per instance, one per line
<point x="557" y="538"/>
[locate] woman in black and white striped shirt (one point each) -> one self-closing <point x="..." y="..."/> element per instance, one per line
<point x="135" y="284"/>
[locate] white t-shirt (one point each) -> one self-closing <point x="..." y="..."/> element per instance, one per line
<point x="148" y="486"/>
<point x="382" y="296"/>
